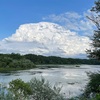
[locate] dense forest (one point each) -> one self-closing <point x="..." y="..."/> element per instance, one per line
<point x="39" y="59"/>
<point x="13" y="62"/>
<point x="10" y="60"/>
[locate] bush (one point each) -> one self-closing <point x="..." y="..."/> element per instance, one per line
<point x="93" y="86"/>
<point x="20" y="89"/>
<point x="33" y="90"/>
<point x="43" y="91"/>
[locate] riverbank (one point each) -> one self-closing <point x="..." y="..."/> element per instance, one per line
<point x="8" y="70"/>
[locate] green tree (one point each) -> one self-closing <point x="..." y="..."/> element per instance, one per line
<point x="93" y="86"/>
<point x="92" y="89"/>
<point x="95" y="18"/>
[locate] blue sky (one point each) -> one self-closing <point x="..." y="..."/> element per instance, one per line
<point x="13" y="13"/>
<point x="46" y="27"/>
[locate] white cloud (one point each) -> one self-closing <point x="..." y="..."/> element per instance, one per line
<point x="45" y="38"/>
<point x="73" y="21"/>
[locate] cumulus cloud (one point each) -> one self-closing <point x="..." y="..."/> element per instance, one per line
<point x="45" y="38"/>
<point x="73" y="21"/>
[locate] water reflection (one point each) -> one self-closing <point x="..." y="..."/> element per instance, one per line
<point x="71" y="78"/>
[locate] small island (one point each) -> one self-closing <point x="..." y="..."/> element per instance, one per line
<point x="77" y="66"/>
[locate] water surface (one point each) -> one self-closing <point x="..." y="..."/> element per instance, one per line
<point x="72" y="79"/>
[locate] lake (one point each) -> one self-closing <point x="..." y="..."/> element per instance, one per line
<point x="72" y="79"/>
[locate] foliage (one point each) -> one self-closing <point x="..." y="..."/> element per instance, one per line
<point x="4" y="95"/>
<point x="38" y="59"/>
<point x="22" y="63"/>
<point x="13" y="62"/>
<point x="95" y="51"/>
<point x="93" y="87"/>
<point x="33" y="90"/>
<point x="19" y="89"/>
<point x="43" y="91"/>
<point x="17" y="61"/>
<point x="7" y="96"/>
<point x="92" y="90"/>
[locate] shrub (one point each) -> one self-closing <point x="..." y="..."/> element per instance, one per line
<point x="33" y="90"/>
<point x="93" y="86"/>
<point x="19" y="89"/>
<point x="43" y="91"/>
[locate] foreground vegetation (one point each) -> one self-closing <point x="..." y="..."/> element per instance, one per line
<point x="33" y="90"/>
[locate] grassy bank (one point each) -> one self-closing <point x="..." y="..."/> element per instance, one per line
<point x="8" y="70"/>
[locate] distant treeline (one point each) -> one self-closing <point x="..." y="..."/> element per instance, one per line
<point x="39" y="59"/>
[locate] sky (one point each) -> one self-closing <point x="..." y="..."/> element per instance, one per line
<point x="70" y="14"/>
<point x="13" y="13"/>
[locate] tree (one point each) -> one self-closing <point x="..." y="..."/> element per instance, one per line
<point x="95" y="18"/>
<point x="93" y="86"/>
<point x="92" y="89"/>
